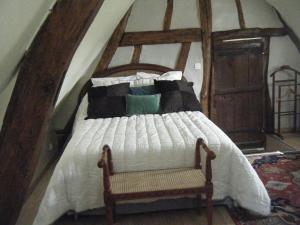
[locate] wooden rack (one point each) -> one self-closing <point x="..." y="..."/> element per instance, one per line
<point x="278" y="83"/>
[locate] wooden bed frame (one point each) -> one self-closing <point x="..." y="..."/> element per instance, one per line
<point x="106" y="160"/>
<point x="124" y="70"/>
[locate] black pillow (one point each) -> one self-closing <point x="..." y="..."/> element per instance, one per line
<point x="177" y="96"/>
<point x="112" y="90"/>
<point x="171" y="101"/>
<point x="107" y="101"/>
<point x="107" y="107"/>
<point x="190" y="102"/>
<point x="176" y="85"/>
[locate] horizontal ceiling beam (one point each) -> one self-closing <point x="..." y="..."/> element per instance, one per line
<point x="161" y="37"/>
<point x="248" y="33"/>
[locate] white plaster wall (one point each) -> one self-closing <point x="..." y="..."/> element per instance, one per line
<point x="224" y="15"/>
<point x="290" y="11"/>
<point x="19" y="21"/>
<point x="196" y="76"/>
<point x="258" y="13"/>
<point x="283" y="52"/>
<point x="164" y="54"/>
<point x="5" y="97"/>
<point x="122" y="56"/>
<point x="187" y="18"/>
<point x="147" y="12"/>
<point x="95" y="39"/>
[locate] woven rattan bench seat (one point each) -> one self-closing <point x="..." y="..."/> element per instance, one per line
<point x="156" y="180"/>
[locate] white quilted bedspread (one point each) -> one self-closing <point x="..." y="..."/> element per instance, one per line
<point x="142" y="143"/>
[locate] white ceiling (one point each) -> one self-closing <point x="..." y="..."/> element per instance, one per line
<point x="290" y="12"/>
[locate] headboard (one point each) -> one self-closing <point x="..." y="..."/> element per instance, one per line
<point x="124" y="70"/>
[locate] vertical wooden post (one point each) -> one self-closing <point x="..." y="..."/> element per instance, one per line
<point x="31" y="106"/>
<point x="168" y="15"/>
<point x="136" y="54"/>
<point x="183" y="56"/>
<point x="206" y="25"/>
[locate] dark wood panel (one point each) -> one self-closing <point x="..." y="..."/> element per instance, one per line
<point x="161" y="37"/>
<point x="31" y="106"/>
<point x="239" y="91"/>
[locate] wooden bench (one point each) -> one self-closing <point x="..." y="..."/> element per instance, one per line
<point x="156" y="183"/>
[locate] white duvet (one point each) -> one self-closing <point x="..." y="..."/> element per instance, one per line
<point x="143" y="143"/>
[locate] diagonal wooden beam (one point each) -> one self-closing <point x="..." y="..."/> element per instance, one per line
<point x="240" y="14"/>
<point x="31" y="106"/>
<point x="113" y="44"/>
<point x="206" y="26"/>
<point x="136" y="54"/>
<point x="183" y="56"/>
<point x="168" y="15"/>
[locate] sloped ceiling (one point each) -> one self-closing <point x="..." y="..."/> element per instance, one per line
<point x="290" y="12"/>
<point x="19" y="21"/>
<point x="95" y="39"/>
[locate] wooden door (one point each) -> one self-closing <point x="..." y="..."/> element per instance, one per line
<point x="237" y="100"/>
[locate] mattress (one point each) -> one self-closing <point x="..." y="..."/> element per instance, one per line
<point x="146" y="142"/>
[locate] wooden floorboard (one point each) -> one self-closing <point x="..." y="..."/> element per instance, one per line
<point x="177" y="217"/>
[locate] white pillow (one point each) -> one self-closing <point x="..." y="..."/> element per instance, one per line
<point x="171" y="75"/>
<point x="143" y="75"/>
<point x="106" y="81"/>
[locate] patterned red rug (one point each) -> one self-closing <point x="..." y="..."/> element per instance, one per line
<point x="281" y="177"/>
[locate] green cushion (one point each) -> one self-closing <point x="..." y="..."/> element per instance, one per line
<point x="142" y="104"/>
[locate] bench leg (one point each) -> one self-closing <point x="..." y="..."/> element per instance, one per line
<point x="209" y="207"/>
<point x="199" y="200"/>
<point x="109" y="211"/>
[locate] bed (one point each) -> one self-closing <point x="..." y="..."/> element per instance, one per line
<point x="145" y="142"/>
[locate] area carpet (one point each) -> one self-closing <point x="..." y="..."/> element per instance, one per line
<point x="280" y="174"/>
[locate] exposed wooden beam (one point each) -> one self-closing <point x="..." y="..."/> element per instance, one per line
<point x="31" y="106"/>
<point x="183" y="56"/>
<point x="249" y="33"/>
<point x="206" y="25"/>
<point x="168" y="15"/>
<point x="161" y="37"/>
<point x="136" y="54"/>
<point x="240" y="14"/>
<point x="290" y="32"/>
<point x="268" y="112"/>
<point x="113" y="44"/>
